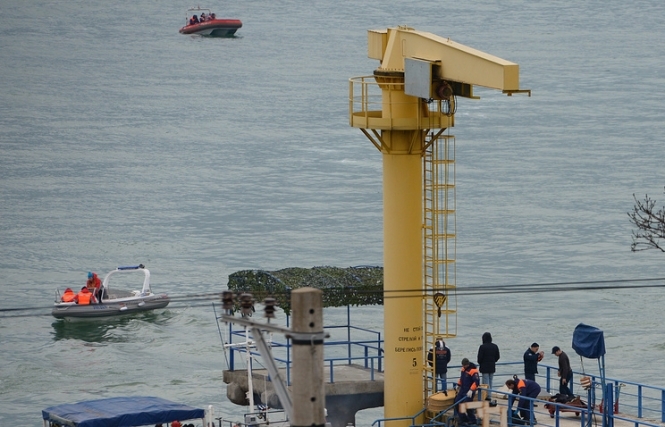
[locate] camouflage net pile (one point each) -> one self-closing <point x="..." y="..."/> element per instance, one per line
<point x="341" y="286"/>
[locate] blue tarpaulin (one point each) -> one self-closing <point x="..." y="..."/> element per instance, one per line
<point x="588" y="341"/>
<point x="121" y="412"/>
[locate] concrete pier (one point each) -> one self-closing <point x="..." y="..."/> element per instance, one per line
<point x="352" y="390"/>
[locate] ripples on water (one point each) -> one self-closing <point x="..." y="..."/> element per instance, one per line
<point x="122" y="141"/>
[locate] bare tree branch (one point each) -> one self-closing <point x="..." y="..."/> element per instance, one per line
<point x="650" y="225"/>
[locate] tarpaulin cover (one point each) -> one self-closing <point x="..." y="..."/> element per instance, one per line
<point x="121" y="412"/>
<point x="588" y="341"/>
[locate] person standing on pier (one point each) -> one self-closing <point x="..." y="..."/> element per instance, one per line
<point x="565" y="372"/>
<point x="531" y="358"/>
<point x="488" y="355"/>
<point x="439" y="357"/>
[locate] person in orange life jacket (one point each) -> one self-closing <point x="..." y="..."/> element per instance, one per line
<point x="526" y="388"/>
<point x="85" y="297"/>
<point x="94" y="284"/>
<point x="439" y="357"/>
<point x="68" y="295"/>
<point x="193" y="20"/>
<point x="467" y="384"/>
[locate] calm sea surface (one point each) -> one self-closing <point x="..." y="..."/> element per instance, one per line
<point x="125" y="142"/>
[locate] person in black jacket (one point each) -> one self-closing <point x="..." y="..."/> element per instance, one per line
<point x="439" y="357"/>
<point x="488" y="355"/>
<point x="531" y="358"/>
<point x="565" y="372"/>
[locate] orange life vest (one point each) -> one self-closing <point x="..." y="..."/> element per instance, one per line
<point x="520" y="385"/>
<point x="471" y="373"/>
<point x="68" y="296"/>
<point x="84" y="298"/>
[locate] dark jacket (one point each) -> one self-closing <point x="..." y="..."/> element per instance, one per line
<point x="468" y="380"/>
<point x="488" y="355"/>
<point x="442" y="358"/>
<point x="530" y="362"/>
<point x="564" y="366"/>
<point x="527" y="388"/>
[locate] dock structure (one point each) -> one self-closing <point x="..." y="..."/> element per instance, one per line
<point x="351" y="377"/>
<point x="348" y="389"/>
<point x="353" y="390"/>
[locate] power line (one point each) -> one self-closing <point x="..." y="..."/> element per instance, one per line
<point x="203" y="299"/>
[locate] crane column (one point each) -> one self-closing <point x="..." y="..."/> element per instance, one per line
<point x="412" y="94"/>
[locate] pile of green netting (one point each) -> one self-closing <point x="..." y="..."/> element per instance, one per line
<point x="361" y="285"/>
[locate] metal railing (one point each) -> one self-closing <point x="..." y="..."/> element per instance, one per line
<point x="630" y="398"/>
<point x="348" y="345"/>
<point x="378" y="105"/>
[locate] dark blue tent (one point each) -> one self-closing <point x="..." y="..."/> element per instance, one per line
<point x="121" y="412"/>
<point x="588" y="341"/>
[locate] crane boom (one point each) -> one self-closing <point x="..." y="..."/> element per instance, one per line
<point x="458" y="62"/>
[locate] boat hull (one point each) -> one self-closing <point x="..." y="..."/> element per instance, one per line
<point x="109" y="308"/>
<point x="214" y="28"/>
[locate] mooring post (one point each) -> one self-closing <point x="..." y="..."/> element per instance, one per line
<point x="307" y="389"/>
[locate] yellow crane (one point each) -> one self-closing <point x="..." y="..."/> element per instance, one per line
<point x="403" y="108"/>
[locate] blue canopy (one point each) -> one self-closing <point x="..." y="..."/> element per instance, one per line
<point x="121" y="412"/>
<point x="588" y="341"/>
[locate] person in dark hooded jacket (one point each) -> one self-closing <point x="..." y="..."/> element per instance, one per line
<point x="488" y="355"/>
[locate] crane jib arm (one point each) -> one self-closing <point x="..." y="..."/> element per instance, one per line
<point x="458" y="63"/>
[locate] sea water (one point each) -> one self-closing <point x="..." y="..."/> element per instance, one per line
<point x="125" y="142"/>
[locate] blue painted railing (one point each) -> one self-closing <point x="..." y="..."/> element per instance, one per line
<point x="413" y="419"/>
<point x="539" y="412"/>
<point x="630" y="398"/>
<point x="347" y="345"/>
